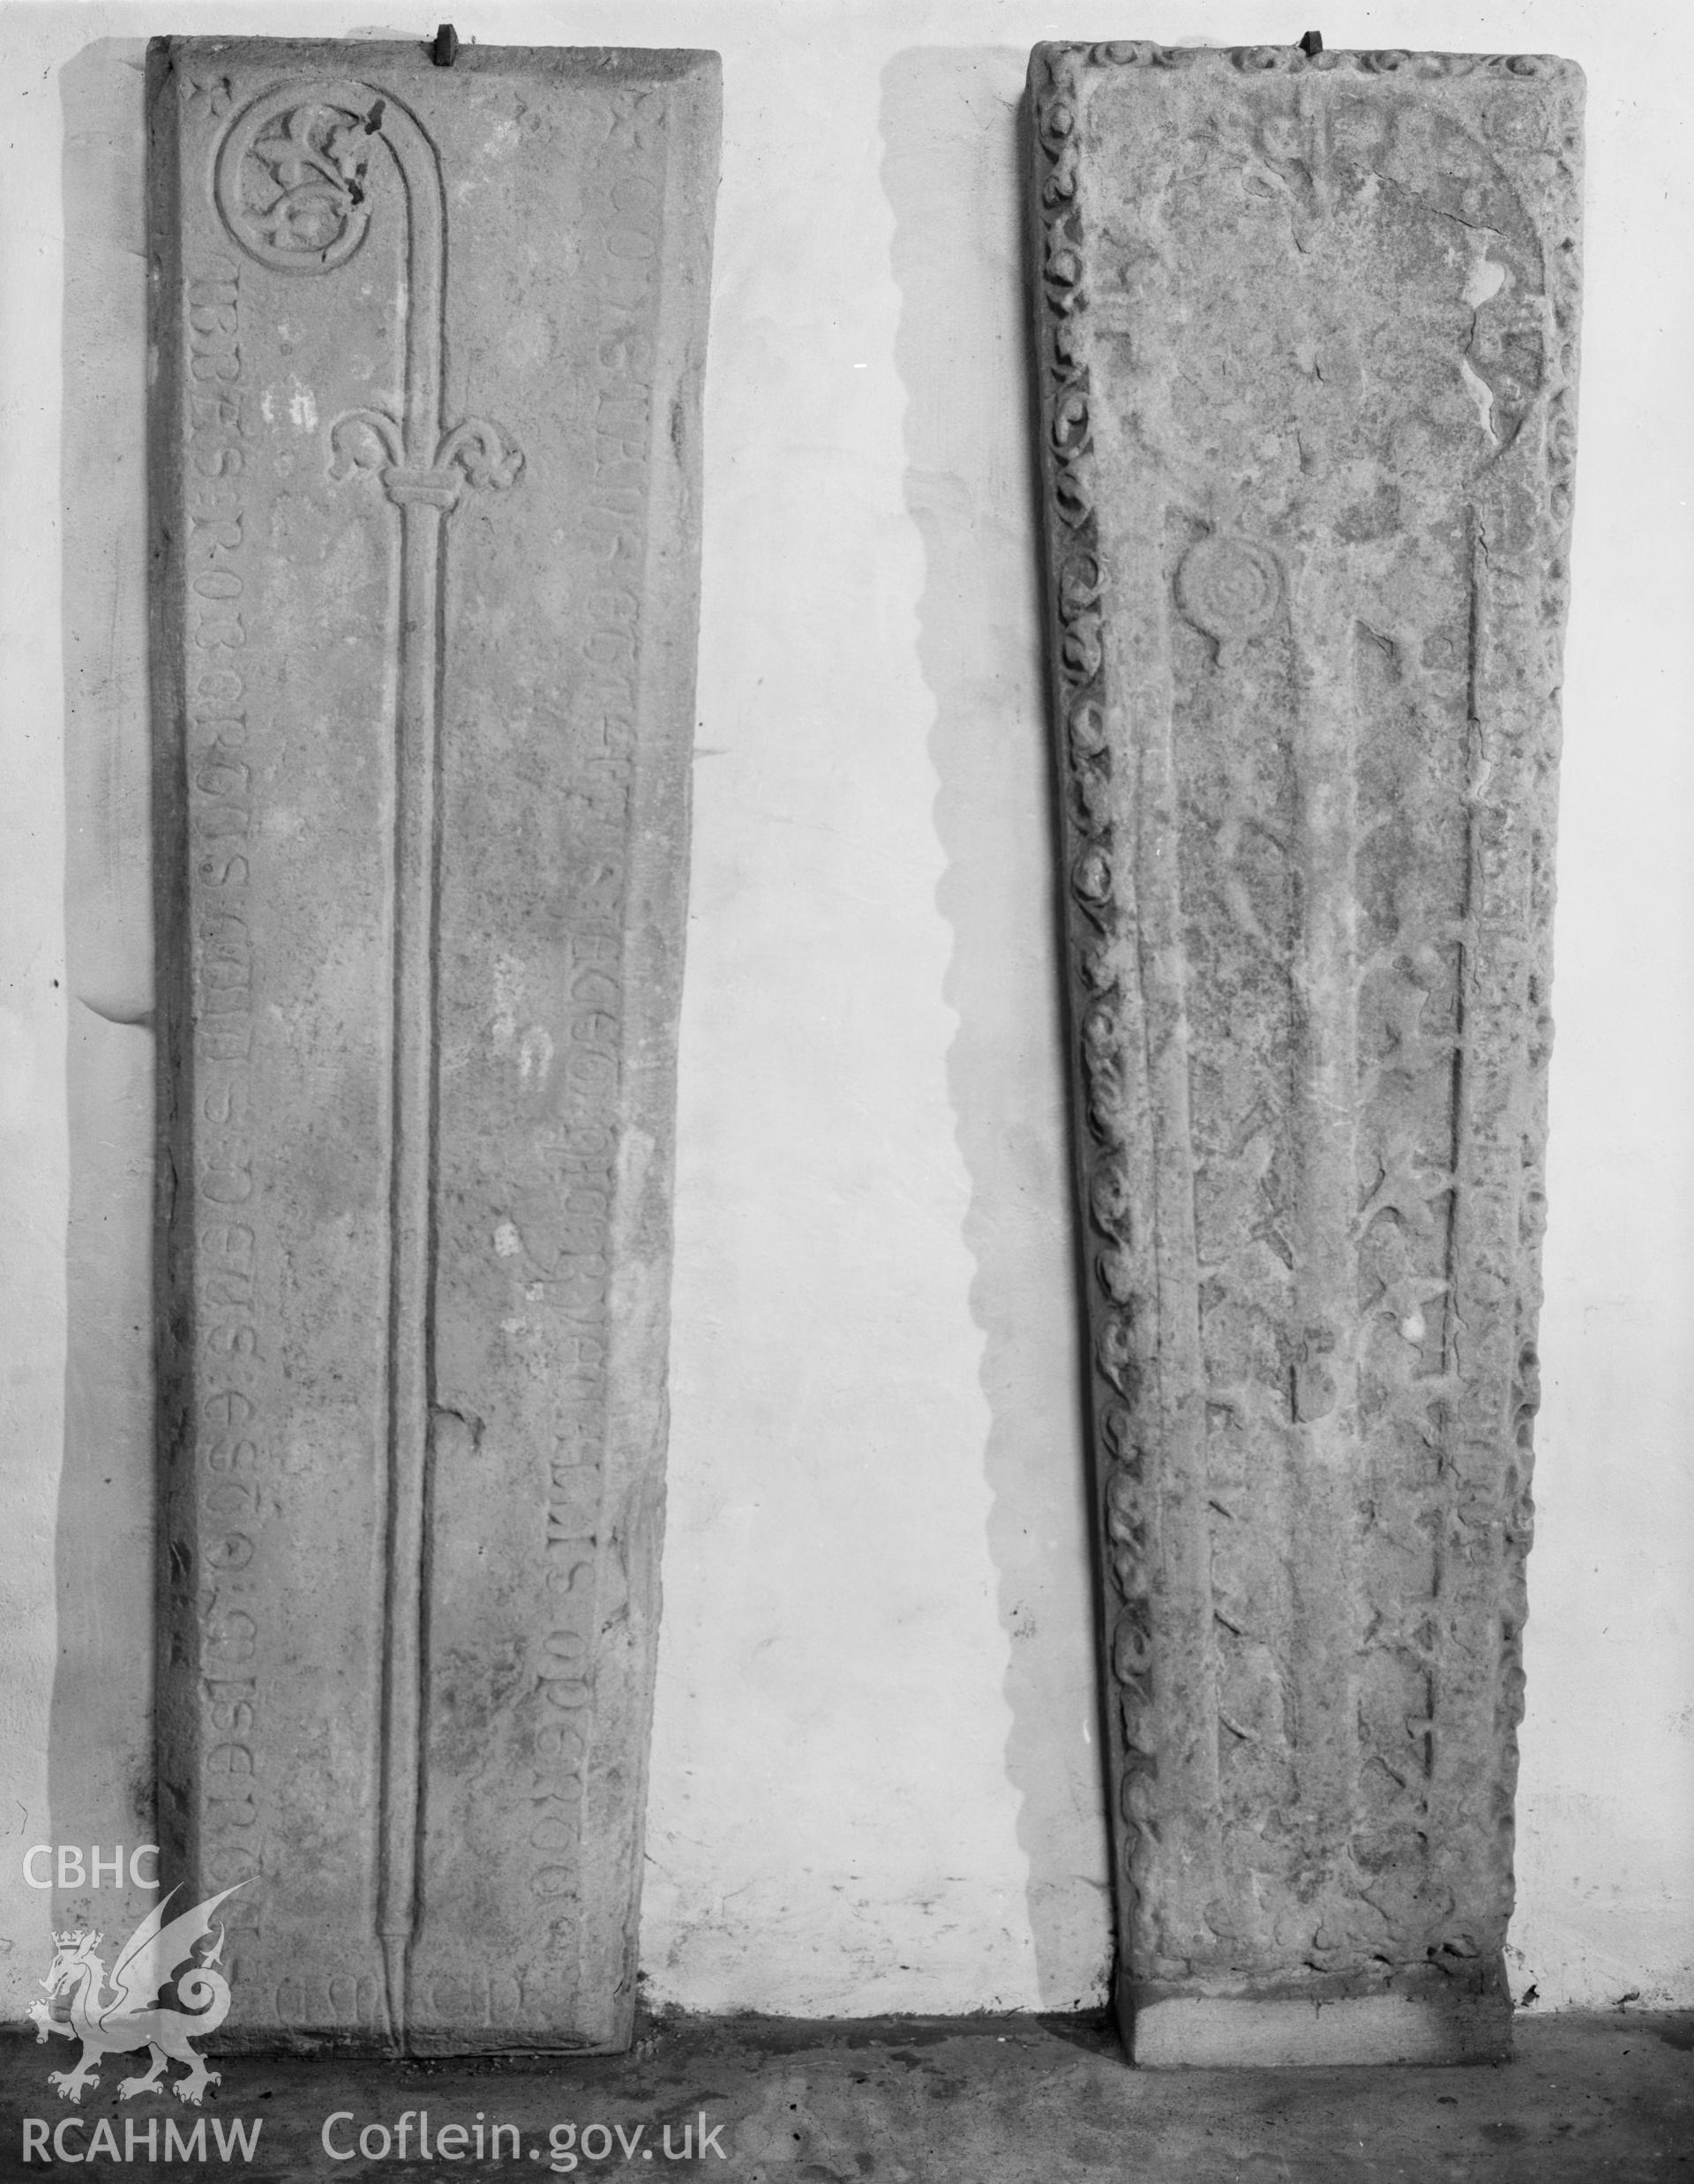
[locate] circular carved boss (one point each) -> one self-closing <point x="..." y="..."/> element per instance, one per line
<point x="1228" y="588"/>
<point x="291" y="181"/>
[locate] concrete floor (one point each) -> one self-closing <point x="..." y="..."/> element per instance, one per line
<point x="1589" y="2100"/>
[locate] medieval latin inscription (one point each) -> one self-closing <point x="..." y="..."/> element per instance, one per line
<point x="425" y="454"/>
<point x="1305" y="337"/>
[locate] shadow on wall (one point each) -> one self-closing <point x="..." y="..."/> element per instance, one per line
<point x="951" y="171"/>
<point x="99" y="1760"/>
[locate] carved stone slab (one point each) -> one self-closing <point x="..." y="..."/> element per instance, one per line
<point x="1306" y="335"/>
<point x="425" y="446"/>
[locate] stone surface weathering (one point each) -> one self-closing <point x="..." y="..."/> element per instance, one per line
<point x="1306" y="339"/>
<point x="425" y="449"/>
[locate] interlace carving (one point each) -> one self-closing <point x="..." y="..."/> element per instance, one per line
<point x="292" y="183"/>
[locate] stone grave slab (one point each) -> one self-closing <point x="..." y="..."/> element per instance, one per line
<point x="1306" y="346"/>
<point x="425" y="476"/>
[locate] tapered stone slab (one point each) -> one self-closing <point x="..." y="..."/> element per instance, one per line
<point x="425" y="449"/>
<point x="1306" y="341"/>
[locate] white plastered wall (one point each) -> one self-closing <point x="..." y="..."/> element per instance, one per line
<point x="874" y="1784"/>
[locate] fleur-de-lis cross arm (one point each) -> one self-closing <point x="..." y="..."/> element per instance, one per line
<point x="371" y="443"/>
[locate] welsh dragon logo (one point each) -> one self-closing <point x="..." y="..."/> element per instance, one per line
<point x="132" y="2014"/>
